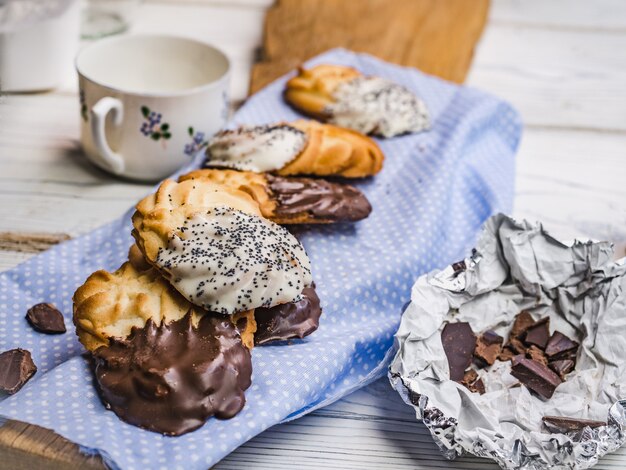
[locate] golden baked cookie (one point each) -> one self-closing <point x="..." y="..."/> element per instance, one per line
<point x="343" y="96"/>
<point x="302" y="147"/>
<point x="162" y="213"/>
<point x="212" y="244"/>
<point x="290" y="200"/>
<point x="311" y="90"/>
<point x="108" y="305"/>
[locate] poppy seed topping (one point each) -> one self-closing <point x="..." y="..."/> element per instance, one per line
<point x="227" y="261"/>
<point x="256" y="148"/>
<point x="374" y="105"/>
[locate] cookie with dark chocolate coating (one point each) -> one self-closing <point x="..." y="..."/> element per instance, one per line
<point x="293" y="200"/>
<point x="286" y="321"/>
<point x="171" y="378"/>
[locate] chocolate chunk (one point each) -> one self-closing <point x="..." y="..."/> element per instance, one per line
<point x="477" y="387"/>
<point x="318" y="198"/>
<point x="291" y="320"/>
<point x="459" y="342"/>
<point x="46" y="318"/>
<point x="562" y="367"/>
<point x="488" y="347"/>
<point x="506" y="355"/>
<point x="535" y="376"/>
<point x="469" y="377"/>
<point x="537" y="354"/>
<point x="16" y="368"/>
<point x="538" y="333"/>
<point x="472" y="382"/>
<point x="522" y="321"/>
<point x="560" y="347"/>
<point x="459" y="267"/>
<point x="517" y="346"/>
<point x="171" y="378"/>
<point x="564" y="425"/>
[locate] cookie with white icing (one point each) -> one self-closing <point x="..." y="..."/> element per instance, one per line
<point x="213" y="246"/>
<point x="343" y="96"/>
<point x="110" y="304"/>
<point x="302" y="147"/>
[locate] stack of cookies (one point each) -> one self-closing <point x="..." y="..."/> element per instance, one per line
<point x="213" y="271"/>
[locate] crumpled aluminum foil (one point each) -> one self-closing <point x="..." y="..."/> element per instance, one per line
<point x="518" y="266"/>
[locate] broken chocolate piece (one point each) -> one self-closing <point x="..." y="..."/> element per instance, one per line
<point x="565" y="425"/>
<point x="560" y="347"/>
<point x="538" y="333"/>
<point x="46" y="318"/>
<point x="562" y="367"/>
<point x="459" y="342"/>
<point x="488" y="347"/>
<point x="516" y="346"/>
<point x="522" y="321"/>
<point x="16" y="368"/>
<point x="477" y="387"/>
<point x="535" y="376"/>
<point x="472" y="382"/>
<point x="506" y="355"/>
<point x="537" y="354"/>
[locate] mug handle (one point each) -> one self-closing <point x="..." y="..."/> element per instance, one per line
<point x="112" y="160"/>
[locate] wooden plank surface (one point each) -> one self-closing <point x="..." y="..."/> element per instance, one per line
<point x="436" y="36"/>
<point x="569" y="175"/>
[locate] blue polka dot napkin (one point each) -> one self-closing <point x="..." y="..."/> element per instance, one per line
<point x="433" y="194"/>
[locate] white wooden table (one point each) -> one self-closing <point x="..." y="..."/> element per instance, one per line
<point x="562" y="63"/>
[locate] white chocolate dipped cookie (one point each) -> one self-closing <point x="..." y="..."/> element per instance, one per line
<point x="343" y="96"/>
<point x="220" y="257"/>
<point x="302" y="147"/>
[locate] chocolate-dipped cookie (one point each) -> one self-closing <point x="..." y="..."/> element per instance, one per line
<point x="296" y="148"/>
<point x="291" y="320"/>
<point x="172" y="377"/>
<point x="293" y="200"/>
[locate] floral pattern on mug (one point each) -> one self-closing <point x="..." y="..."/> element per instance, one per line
<point x="83" y="105"/>
<point x="152" y="126"/>
<point x="197" y="143"/>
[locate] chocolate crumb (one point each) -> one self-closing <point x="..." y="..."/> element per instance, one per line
<point x="472" y="382"/>
<point x="16" y="368"/>
<point x="506" y="355"/>
<point x="537" y="354"/>
<point x="46" y="318"/>
<point x="488" y="347"/>
<point x="517" y="346"/>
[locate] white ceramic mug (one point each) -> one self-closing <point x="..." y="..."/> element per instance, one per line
<point x="148" y="103"/>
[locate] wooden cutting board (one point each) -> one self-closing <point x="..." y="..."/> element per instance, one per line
<point x="436" y="36"/>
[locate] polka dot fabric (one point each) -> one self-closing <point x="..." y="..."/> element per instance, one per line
<point x="435" y="191"/>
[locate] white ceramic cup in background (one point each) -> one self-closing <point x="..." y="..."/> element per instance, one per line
<point x="149" y="103"/>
